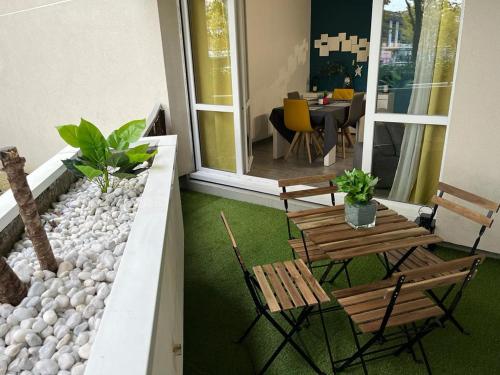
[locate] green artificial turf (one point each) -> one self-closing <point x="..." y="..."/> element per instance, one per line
<point x="218" y="307"/>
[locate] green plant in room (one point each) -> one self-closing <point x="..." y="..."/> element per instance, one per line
<point x="100" y="158"/>
<point x="357" y="185"/>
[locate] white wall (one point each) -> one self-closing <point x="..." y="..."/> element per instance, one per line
<point x="472" y="159"/>
<point x="97" y="59"/>
<point x="278" y="36"/>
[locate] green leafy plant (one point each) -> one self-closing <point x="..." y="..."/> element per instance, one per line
<point x="358" y="186"/>
<point x="101" y="158"/>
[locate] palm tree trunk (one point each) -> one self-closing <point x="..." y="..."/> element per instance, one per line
<point x="12" y="290"/>
<point x="14" y="168"/>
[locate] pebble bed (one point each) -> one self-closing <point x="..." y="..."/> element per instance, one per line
<point x="51" y="332"/>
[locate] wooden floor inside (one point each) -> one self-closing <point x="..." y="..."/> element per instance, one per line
<point x="296" y="166"/>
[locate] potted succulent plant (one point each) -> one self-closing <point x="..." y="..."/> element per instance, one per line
<point x="360" y="209"/>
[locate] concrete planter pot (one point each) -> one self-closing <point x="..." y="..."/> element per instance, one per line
<point x="361" y="215"/>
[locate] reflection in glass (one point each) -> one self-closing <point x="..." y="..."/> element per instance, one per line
<point x="407" y="160"/>
<point x="211" y="51"/>
<point x="417" y="57"/>
<point x="216" y="131"/>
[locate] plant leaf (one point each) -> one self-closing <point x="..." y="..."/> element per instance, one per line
<point x="126" y="134"/>
<point x="116" y="142"/>
<point x="69" y="133"/>
<point x="89" y="171"/>
<point x="139" y="154"/>
<point x="70" y="165"/>
<point x="92" y="143"/>
<point x="124" y="175"/>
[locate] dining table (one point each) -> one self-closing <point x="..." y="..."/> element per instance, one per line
<point x="328" y="116"/>
<point x="326" y="232"/>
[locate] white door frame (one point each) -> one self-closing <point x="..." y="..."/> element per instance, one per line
<point x="269" y="186"/>
<point x="236" y="108"/>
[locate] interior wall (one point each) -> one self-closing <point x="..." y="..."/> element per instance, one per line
<point x="173" y="53"/>
<point x="62" y="60"/>
<point x="353" y="17"/>
<point x="472" y="154"/>
<point x="278" y="35"/>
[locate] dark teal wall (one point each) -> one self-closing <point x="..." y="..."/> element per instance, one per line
<point x="333" y="17"/>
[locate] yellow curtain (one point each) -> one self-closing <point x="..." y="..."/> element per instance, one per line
<point x="212" y="76"/>
<point x="434" y="135"/>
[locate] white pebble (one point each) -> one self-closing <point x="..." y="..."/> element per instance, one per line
<point x="66" y="361"/>
<point x="50" y="317"/>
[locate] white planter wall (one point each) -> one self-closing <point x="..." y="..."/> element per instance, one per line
<point x="142" y="327"/>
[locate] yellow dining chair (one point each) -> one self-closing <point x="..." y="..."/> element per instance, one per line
<point x="342" y="94"/>
<point x="298" y="120"/>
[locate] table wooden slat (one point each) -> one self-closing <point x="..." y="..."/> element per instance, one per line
<point x="337" y="220"/>
<point x="373" y="239"/>
<point x="323" y="237"/>
<point x="345" y="226"/>
<point x="383" y="247"/>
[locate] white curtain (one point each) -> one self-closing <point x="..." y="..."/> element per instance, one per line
<point x="406" y="172"/>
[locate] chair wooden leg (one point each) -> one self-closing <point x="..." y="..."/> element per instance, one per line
<point x="317" y="143"/>
<point x="308" y="147"/>
<point x="348" y="136"/>
<point x="299" y="144"/>
<point x="343" y="145"/>
<point x="292" y="145"/>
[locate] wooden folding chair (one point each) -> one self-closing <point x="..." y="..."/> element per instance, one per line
<point x="424" y="257"/>
<point x="302" y="248"/>
<point x="282" y="288"/>
<point x="399" y="302"/>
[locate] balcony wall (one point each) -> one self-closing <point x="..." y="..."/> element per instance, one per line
<point x="472" y="153"/>
<point x="62" y="60"/>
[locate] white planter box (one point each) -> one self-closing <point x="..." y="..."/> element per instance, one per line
<point x="142" y="327"/>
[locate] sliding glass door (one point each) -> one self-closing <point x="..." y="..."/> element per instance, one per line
<point x="410" y="86"/>
<point x="215" y="83"/>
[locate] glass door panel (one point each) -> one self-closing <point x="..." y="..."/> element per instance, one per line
<point x="208" y="21"/>
<point x="216" y="132"/>
<point x="417" y="56"/>
<point x="213" y="75"/>
<point x="407" y="160"/>
<point x="415" y="44"/>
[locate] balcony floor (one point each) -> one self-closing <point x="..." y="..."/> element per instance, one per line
<point x="218" y="307"/>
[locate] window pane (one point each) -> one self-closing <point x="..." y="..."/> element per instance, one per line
<point x="216" y="131"/>
<point x="210" y="50"/>
<point x="417" y="57"/>
<point x="407" y="160"/>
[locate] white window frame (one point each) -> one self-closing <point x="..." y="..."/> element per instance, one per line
<point x="235" y="108"/>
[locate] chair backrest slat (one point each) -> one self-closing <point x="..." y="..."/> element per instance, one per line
<point x="438" y="275"/>
<point x="469" y="197"/>
<point x="463" y="211"/>
<point x="440" y="268"/>
<point x="306" y="179"/>
<point x="434" y="282"/>
<point x="233" y="243"/>
<point x="308" y="192"/>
